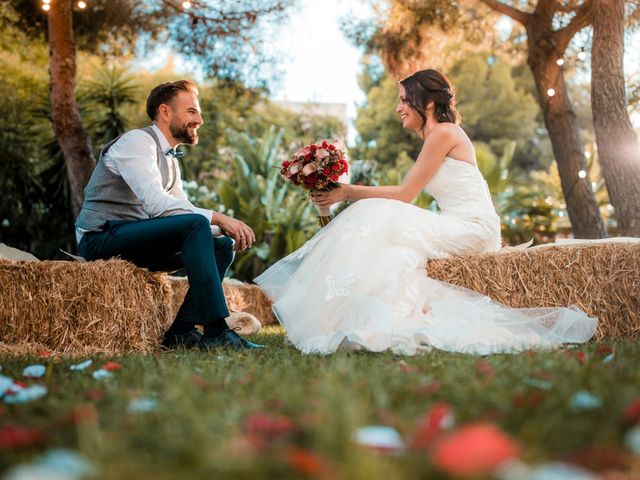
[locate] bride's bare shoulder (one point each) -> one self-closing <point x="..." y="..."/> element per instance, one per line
<point x="450" y="128"/>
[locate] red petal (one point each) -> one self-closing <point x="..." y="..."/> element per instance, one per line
<point x="110" y="366"/>
<point x="474" y="449"/>
<point x="14" y="436"/>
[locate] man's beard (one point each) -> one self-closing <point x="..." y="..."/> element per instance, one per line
<point x="182" y="134"/>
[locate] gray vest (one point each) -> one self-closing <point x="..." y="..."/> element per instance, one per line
<point x="108" y="197"/>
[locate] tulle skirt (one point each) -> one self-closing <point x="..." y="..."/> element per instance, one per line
<point x="361" y="283"/>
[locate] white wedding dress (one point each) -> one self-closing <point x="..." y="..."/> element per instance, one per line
<point x="361" y="282"/>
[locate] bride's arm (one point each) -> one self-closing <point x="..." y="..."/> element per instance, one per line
<point x="438" y="144"/>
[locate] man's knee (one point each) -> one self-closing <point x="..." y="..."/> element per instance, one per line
<point x="198" y="221"/>
<point x="224" y="244"/>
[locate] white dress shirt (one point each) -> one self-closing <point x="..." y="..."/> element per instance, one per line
<point x="134" y="158"/>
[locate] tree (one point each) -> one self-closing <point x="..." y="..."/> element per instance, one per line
<point x="219" y="36"/>
<point x="618" y="149"/>
<point x="381" y="136"/>
<point x="67" y="125"/>
<point x="549" y="28"/>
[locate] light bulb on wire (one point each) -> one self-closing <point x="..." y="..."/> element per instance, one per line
<point x="82" y="5"/>
<point x="186" y="5"/>
<point x="560" y="62"/>
<point x="582" y="55"/>
<point x="582" y="174"/>
<point x="46" y="7"/>
<point x="551" y="92"/>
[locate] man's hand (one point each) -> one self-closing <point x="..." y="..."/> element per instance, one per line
<point x="239" y="231"/>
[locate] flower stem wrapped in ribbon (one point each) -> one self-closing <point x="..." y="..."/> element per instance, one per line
<point x="317" y="167"/>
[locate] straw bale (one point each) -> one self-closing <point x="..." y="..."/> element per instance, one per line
<point x="602" y="280"/>
<point x="81" y="308"/>
<point x="240" y="297"/>
<point x="112" y="307"/>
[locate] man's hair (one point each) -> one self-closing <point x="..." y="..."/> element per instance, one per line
<point x="165" y="93"/>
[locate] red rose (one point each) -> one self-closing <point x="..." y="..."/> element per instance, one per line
<point x="335" y="167"/>
<point x="326" y="171"/>
<point x="324" y="144"/>
<point x="313" y="147"/>
<point x="331" y="147"/>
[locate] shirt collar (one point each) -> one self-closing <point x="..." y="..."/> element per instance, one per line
<point x="164" y="143"/>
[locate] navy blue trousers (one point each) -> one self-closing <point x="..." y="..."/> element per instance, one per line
<point x="169" y="244"/>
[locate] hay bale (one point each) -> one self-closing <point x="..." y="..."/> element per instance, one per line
<point x="112" y="307"/>
<point x="74" y="308"/>
<point x="602" y="280"/>
<point x="241" y="297"/>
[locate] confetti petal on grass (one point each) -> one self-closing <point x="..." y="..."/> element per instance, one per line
<point x="584" y="400"/>
<point x="14" y="437"/>
<point x="474" y="450"/>
<point x="263" y="428"/>
<point x="432" y="424"/>
<point x="609" y="358"/>
<point x="562" y="471"/>
<point x="94" y="394"/>
<point x="28" y="394"/>
<point x="529" y="399"/>
<point x="102" y="374"/>
<point x="5" y="384"/>
<point x="538" y="383"/>
<point x="305" y="462"/>
<point x="484" y="369"/>
<point x="517" y="470"/>
<point x="142" y="405"/>
<point x="632" y="411"/>
<point x="111" y="366"/>
<point x="56" y="464"/>
<point x="81" y="366"/>
<point x="34" y="371"/>
<point x="379" y="437"/>
<point x="632" y="440"/>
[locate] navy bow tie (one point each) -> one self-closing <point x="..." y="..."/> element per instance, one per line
<point x="175" y="153"/>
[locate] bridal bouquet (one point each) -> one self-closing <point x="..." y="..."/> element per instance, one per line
<point x="316" y="167"/>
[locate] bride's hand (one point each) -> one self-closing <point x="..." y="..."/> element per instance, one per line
<point x="326" y="199"/>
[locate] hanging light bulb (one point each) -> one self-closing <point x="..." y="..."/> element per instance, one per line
<point x="186" y="5"/>
<point x="594" y="186"/>
<point x="551" y="92"/>
<point x="582" y="54"/>
<point x="560" y="61"/>
<point x="582" y="174"/>
<point x="46" y="1"/>
<point x="46" y="7"/>
<point x="82" y="5"/>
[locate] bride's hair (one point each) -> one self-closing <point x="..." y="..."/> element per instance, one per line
<point x="429" y="85"/>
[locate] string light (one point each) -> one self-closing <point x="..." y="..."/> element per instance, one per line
<point x="582" y="54"/>
<point x="82" y="4"/>
<point x="594" y="186"/>
<point x="587" y="154"/>
<point x="551" y="92"/>
<point x="46" y="7"/>
<point x="560" y="61"/>
<point x="582" y="174"/>
<point x="186" y="4"/>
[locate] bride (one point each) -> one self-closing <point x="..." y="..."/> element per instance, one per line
<point x="361" y="282"/>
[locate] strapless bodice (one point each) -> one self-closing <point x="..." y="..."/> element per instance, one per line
<point x="461" y="190"/>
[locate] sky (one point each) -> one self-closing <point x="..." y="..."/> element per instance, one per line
<point x="323" y="64"/>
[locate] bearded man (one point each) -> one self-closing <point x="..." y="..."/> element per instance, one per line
<point x="135" y="208"/>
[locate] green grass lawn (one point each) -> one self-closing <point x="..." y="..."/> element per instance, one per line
<point x="203" y="424"/>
